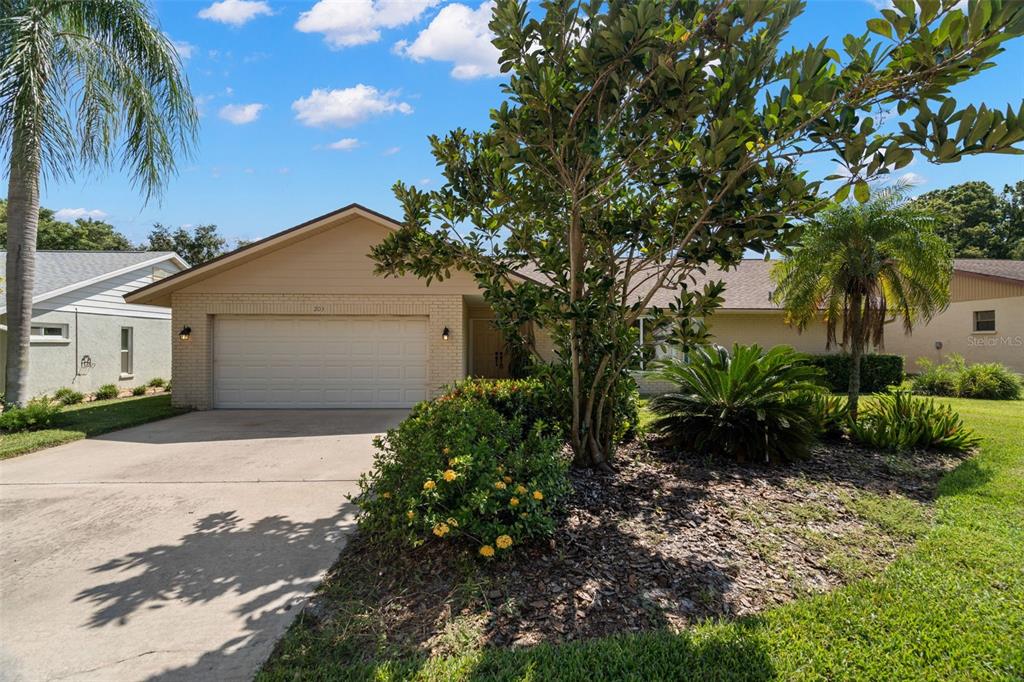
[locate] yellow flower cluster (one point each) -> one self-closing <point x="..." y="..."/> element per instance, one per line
<point x="507" y="479"/>
<point x="521" y="489"/>
<point x="441" y="529"/>
<point x="538" y="495"/>
<point x="450" y="475"/>
<point x="385" y="495"/>
<point x="429" y="485"/>
<point x="503" y="542"/>
<point x="514" y="502"/>
<point x="487" y="551"/>
<point x="500" y="485"/>
<point x="453" y="523"/>
<point x="410" y="515"/>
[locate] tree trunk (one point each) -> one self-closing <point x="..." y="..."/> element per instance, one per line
<point x="856" y="351"/>
<point x="22" y="223"/>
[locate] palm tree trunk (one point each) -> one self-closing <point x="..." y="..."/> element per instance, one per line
<point x="22" y="223"/>
<point x="856" y="351"/>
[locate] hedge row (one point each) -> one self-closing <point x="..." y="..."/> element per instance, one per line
<point x="877" y="371"/>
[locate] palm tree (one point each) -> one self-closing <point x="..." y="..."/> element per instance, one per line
<point x="862" y="265"/>
<point x="82" y="83"/>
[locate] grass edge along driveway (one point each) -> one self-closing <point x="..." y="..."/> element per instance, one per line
<point x="949" y="609"/>
<point x="90" y="419"/>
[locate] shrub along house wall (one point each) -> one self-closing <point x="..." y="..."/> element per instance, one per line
<point x="877" y="371"/>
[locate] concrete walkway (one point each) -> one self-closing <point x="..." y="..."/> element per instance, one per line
<point x="178" y="550"/>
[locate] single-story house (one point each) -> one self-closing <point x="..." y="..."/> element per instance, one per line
<point x="84" y="335"/>
<point x="300" y="320"/>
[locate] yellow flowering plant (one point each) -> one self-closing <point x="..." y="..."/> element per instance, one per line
<point x="459" y="470"/>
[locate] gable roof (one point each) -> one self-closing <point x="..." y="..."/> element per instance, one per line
<point x="992" y="267"/>
<point x="58" y="272"/>
<point x="748" y="286"/>
<point x="158" y="292"/>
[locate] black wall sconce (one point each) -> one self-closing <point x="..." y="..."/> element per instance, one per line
<point x="186" y="333"/>
<point x="445" y="334"/>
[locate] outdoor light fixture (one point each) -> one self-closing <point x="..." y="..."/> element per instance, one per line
<point x="938" y="345"/>
<point x="186" y="333"/>
<point x="444" y="334"/>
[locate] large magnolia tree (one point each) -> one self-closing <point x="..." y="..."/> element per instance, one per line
<point x="642" y="141"/>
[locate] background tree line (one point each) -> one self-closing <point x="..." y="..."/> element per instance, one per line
<point x="975" y="220"/>
<point x="196" y="245"/>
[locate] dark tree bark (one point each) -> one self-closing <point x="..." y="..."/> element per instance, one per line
<point x="856" y="351"/>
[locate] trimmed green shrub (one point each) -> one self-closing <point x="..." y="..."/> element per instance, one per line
<point x="459" y="470"/>
<point x="528" y="399"/>
<point x="954" y="377"/>
<point x="68" y="396"/>
<point x="749" y="404"/>
<point x="899" y="421"/>
<point x="157" y="382"/>
<point x="38" y="413"/>
<point x="139" y="390"/>
<point x="106" y="392"/>
<point x="877" y="371"/>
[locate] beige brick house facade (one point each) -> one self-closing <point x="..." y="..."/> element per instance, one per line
<point x="319" y="270"/>
<point x="316" y="282"/>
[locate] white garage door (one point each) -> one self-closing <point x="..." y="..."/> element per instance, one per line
<point x="304" y="362"/>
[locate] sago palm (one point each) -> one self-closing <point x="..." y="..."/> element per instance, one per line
<point x="82" y="83"/>
<point x="747" y="403"/>
<point x="859" y="266"/>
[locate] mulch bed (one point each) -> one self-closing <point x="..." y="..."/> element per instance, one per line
<point x="662" y="542"/>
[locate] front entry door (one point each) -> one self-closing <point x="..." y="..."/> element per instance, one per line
<point x="490" y="355"/>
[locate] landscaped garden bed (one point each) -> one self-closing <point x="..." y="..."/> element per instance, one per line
<point x="665" y="540"/>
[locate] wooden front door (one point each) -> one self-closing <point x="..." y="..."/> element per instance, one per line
<point x="490" y="355"/>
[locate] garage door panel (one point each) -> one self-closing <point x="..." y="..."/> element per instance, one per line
<point x="319" y="362"/>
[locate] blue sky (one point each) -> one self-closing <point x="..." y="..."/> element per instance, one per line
<point x="307" y="106"/>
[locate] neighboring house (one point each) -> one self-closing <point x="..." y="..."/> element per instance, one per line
<point x="300" y="320"/>
<point x="984" y="321"/>
<point x="84" y="335"/>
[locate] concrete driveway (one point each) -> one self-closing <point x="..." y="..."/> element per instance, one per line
<point x="178" y="550"/>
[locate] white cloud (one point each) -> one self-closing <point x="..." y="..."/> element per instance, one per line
<point x="184" y="49"/>
<point x="458" y="34"/>
<point x="912" y="179"/>
<point x="235" y="12"/>
<point x="76" y="213"/>
<point x="240" y="114"/>
<point x="391" y="151"/>
<point x="888" y="4"/>
<point x="347" y="106"/>
<point x="345" y="144"/>
<point x="345" y="23"/>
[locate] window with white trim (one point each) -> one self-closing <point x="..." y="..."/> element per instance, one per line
<point x="984" y="320"/>
<point x="127" y="350"/>
<point x="49" y="332"/>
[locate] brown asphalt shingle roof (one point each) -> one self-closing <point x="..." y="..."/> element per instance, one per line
<point x="749" y="285"/>
<point x="992" y="267"/>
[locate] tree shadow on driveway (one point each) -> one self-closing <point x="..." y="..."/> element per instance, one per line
<point x="262" y="569"/>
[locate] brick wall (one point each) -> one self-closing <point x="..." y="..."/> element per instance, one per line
<point x="192" y="360"/>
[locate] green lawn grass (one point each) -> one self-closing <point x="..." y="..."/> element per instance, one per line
<point x="90" y="419"/>
<point x="952" y="608"/>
